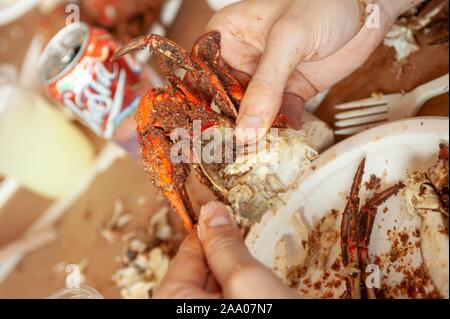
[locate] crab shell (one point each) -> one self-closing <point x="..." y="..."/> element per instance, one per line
<point x="253" y="182"/>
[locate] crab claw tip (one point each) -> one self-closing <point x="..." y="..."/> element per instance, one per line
<point x="137" y="44"/>
<point x="116" y="56"/>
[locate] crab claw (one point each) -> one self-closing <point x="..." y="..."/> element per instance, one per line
<point x="168" y="176"/>
<point x="138" y="43"/>
<point x="215" y="88"/>
<point x="169" y="53"/>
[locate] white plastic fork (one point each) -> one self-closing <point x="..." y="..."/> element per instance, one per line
<point x="364" y="114"/>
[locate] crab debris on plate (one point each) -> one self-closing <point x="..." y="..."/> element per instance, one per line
<point x="336" y="259"/>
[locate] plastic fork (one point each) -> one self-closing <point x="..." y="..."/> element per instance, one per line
<point x="360" y="115"/>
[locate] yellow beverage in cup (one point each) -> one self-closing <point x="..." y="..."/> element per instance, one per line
<point x="39" y="146"/>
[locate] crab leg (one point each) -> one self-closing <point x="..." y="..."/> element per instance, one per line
<point x="365" y="222"/>
<point x="216" y="89"/>
<point x="159" y="45"/>
<point x="207" y="48"/>
<point x="169" y="54"/>
<point x="349" y="234"/>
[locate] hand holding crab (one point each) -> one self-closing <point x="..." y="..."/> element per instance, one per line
<point x="299" y="47"/>
<point x="213" y="262"/>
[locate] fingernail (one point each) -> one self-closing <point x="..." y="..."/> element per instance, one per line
<point x="247" y="128"/>
<point x="214" y="214"/>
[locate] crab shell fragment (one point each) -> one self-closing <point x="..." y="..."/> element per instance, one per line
<point x="426" y="194"/>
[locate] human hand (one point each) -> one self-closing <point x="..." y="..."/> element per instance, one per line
<point x="213" y="262"/>
<point x="296" y="46"/>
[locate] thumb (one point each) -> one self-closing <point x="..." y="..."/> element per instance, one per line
<point x="237" y="272"/>
<point x="264" y="95"/>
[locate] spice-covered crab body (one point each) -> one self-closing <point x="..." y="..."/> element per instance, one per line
<point x="209" y="93"/>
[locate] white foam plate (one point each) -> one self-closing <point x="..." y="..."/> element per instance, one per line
<point x="391" y="151"/>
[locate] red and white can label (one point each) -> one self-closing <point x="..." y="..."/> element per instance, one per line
<point x="102" y="93"/>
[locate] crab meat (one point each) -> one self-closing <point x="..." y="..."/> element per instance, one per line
<point x="254" y="182"/>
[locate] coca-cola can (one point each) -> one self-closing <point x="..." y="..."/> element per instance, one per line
<point x="78" y="73"/>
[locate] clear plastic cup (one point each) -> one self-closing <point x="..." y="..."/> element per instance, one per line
<point x="39" y="146"/>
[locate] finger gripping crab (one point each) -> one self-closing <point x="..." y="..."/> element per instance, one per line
<point x="208" y="92"/>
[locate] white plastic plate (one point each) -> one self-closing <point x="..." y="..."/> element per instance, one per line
<point x="391" y="150"/>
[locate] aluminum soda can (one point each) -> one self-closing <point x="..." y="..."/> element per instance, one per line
<point x="76" y="69"/>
